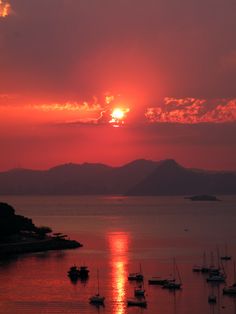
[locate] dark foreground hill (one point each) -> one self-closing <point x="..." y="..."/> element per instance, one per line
<point x="18" y="234"/>
<point x="140" y="177"/>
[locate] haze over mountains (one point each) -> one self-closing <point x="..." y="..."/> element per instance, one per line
<point x="140" y="177"/>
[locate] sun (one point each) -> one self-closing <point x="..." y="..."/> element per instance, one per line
<point x="118" y="116"/>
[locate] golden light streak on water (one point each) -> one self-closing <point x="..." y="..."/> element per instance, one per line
<point x="118" y="244"/>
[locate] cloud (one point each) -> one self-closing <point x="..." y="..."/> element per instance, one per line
<point x="5" y="8"/>
<point x="67" y="107"/>
<point x="192" y="110"/>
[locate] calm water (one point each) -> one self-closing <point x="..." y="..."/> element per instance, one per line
<point x="118" y="235"/>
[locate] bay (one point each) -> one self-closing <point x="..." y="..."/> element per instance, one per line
<point x="119" y="234"/>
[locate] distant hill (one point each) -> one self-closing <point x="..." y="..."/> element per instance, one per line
<point x="140" y="177"/>
<point x="169" y="178"/>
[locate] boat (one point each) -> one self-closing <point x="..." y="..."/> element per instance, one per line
<point x="136" y="276"/>
<point x="76" y="273"/>
<point x="83" y="272"/>
<point x="197" y="268"/>
<point x="216" y="278"/>
<point x="226" y="257"/>
<point x="211" y="298"/>
<point x="137" y="302"/>
<point x="215" y="273"/>
<point x="97" y="299"/>
<point x="73" y="272"/>
<point x="231" y="290"/>
<point x="203" y="197"/>
<point x="139" y="291"/>
<point x="173" y="284"/>
<point x="157" y="281"/>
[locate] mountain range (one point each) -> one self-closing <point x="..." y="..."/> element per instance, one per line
<point x="139" y="177"/>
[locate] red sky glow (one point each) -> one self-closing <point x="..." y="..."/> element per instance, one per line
<point x="87" y="81"/>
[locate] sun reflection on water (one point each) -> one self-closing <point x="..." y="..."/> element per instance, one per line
<point x="118" y="244"/>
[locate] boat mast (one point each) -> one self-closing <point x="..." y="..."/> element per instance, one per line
<point x="234" y="274"/>
<point x="204" y="259"/>
<point x="178" y="273"/>
<point x="98" y="280"/>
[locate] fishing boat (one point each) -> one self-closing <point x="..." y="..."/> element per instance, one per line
<point x="137" y="302"/>
<point x="173" y="284"/>
<point x="231" y="290"/>
<point x="97" y="299"/>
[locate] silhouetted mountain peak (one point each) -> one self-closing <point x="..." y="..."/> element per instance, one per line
<point x="140" y="163"/>
<point x="169" y="164"/>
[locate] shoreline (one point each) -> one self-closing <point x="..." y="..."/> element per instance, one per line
<point x="9" y="249"/>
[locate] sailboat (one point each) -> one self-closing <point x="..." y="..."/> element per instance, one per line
<point x="137" y="302"/>
<point x="204" y="268"/>
<point x="231" y="290"/>
<point x="226" y="257"/>
<point x="97" y="298"/>
<point x="173" y="284"/>
<point x="216" y="274"/>
<point x="136" y="276"/>
<point x="212" y="296"/>
<point x="139" y="291"/>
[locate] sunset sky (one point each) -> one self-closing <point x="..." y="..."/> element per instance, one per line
<point x="167" y="66"/>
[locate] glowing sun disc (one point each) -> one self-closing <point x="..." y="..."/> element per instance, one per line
<point x="118" y="114"/>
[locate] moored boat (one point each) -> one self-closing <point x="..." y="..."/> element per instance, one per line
<point x="83" y="272"/>
<point x="211" y="298"/>
<point x="173" y="284"/>
<point x="197" y="269"/>
<point x="231" y="290"/>
<point x="97" y="299"/>
<point x="226" y="257"/>
<point x="138" y="276"/>
<point x="135" y="276"/>
<point x="73" y="272"/>
<point x="216" y="278"/>
<point x="137" y="302"/>
<point x="157" y="281"/>
<point x="139" y="291"/>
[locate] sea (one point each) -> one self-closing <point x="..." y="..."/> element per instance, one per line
<point x="121" y="235"/>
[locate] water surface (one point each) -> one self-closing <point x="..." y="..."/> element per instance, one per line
<point x="120" y="234"/>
